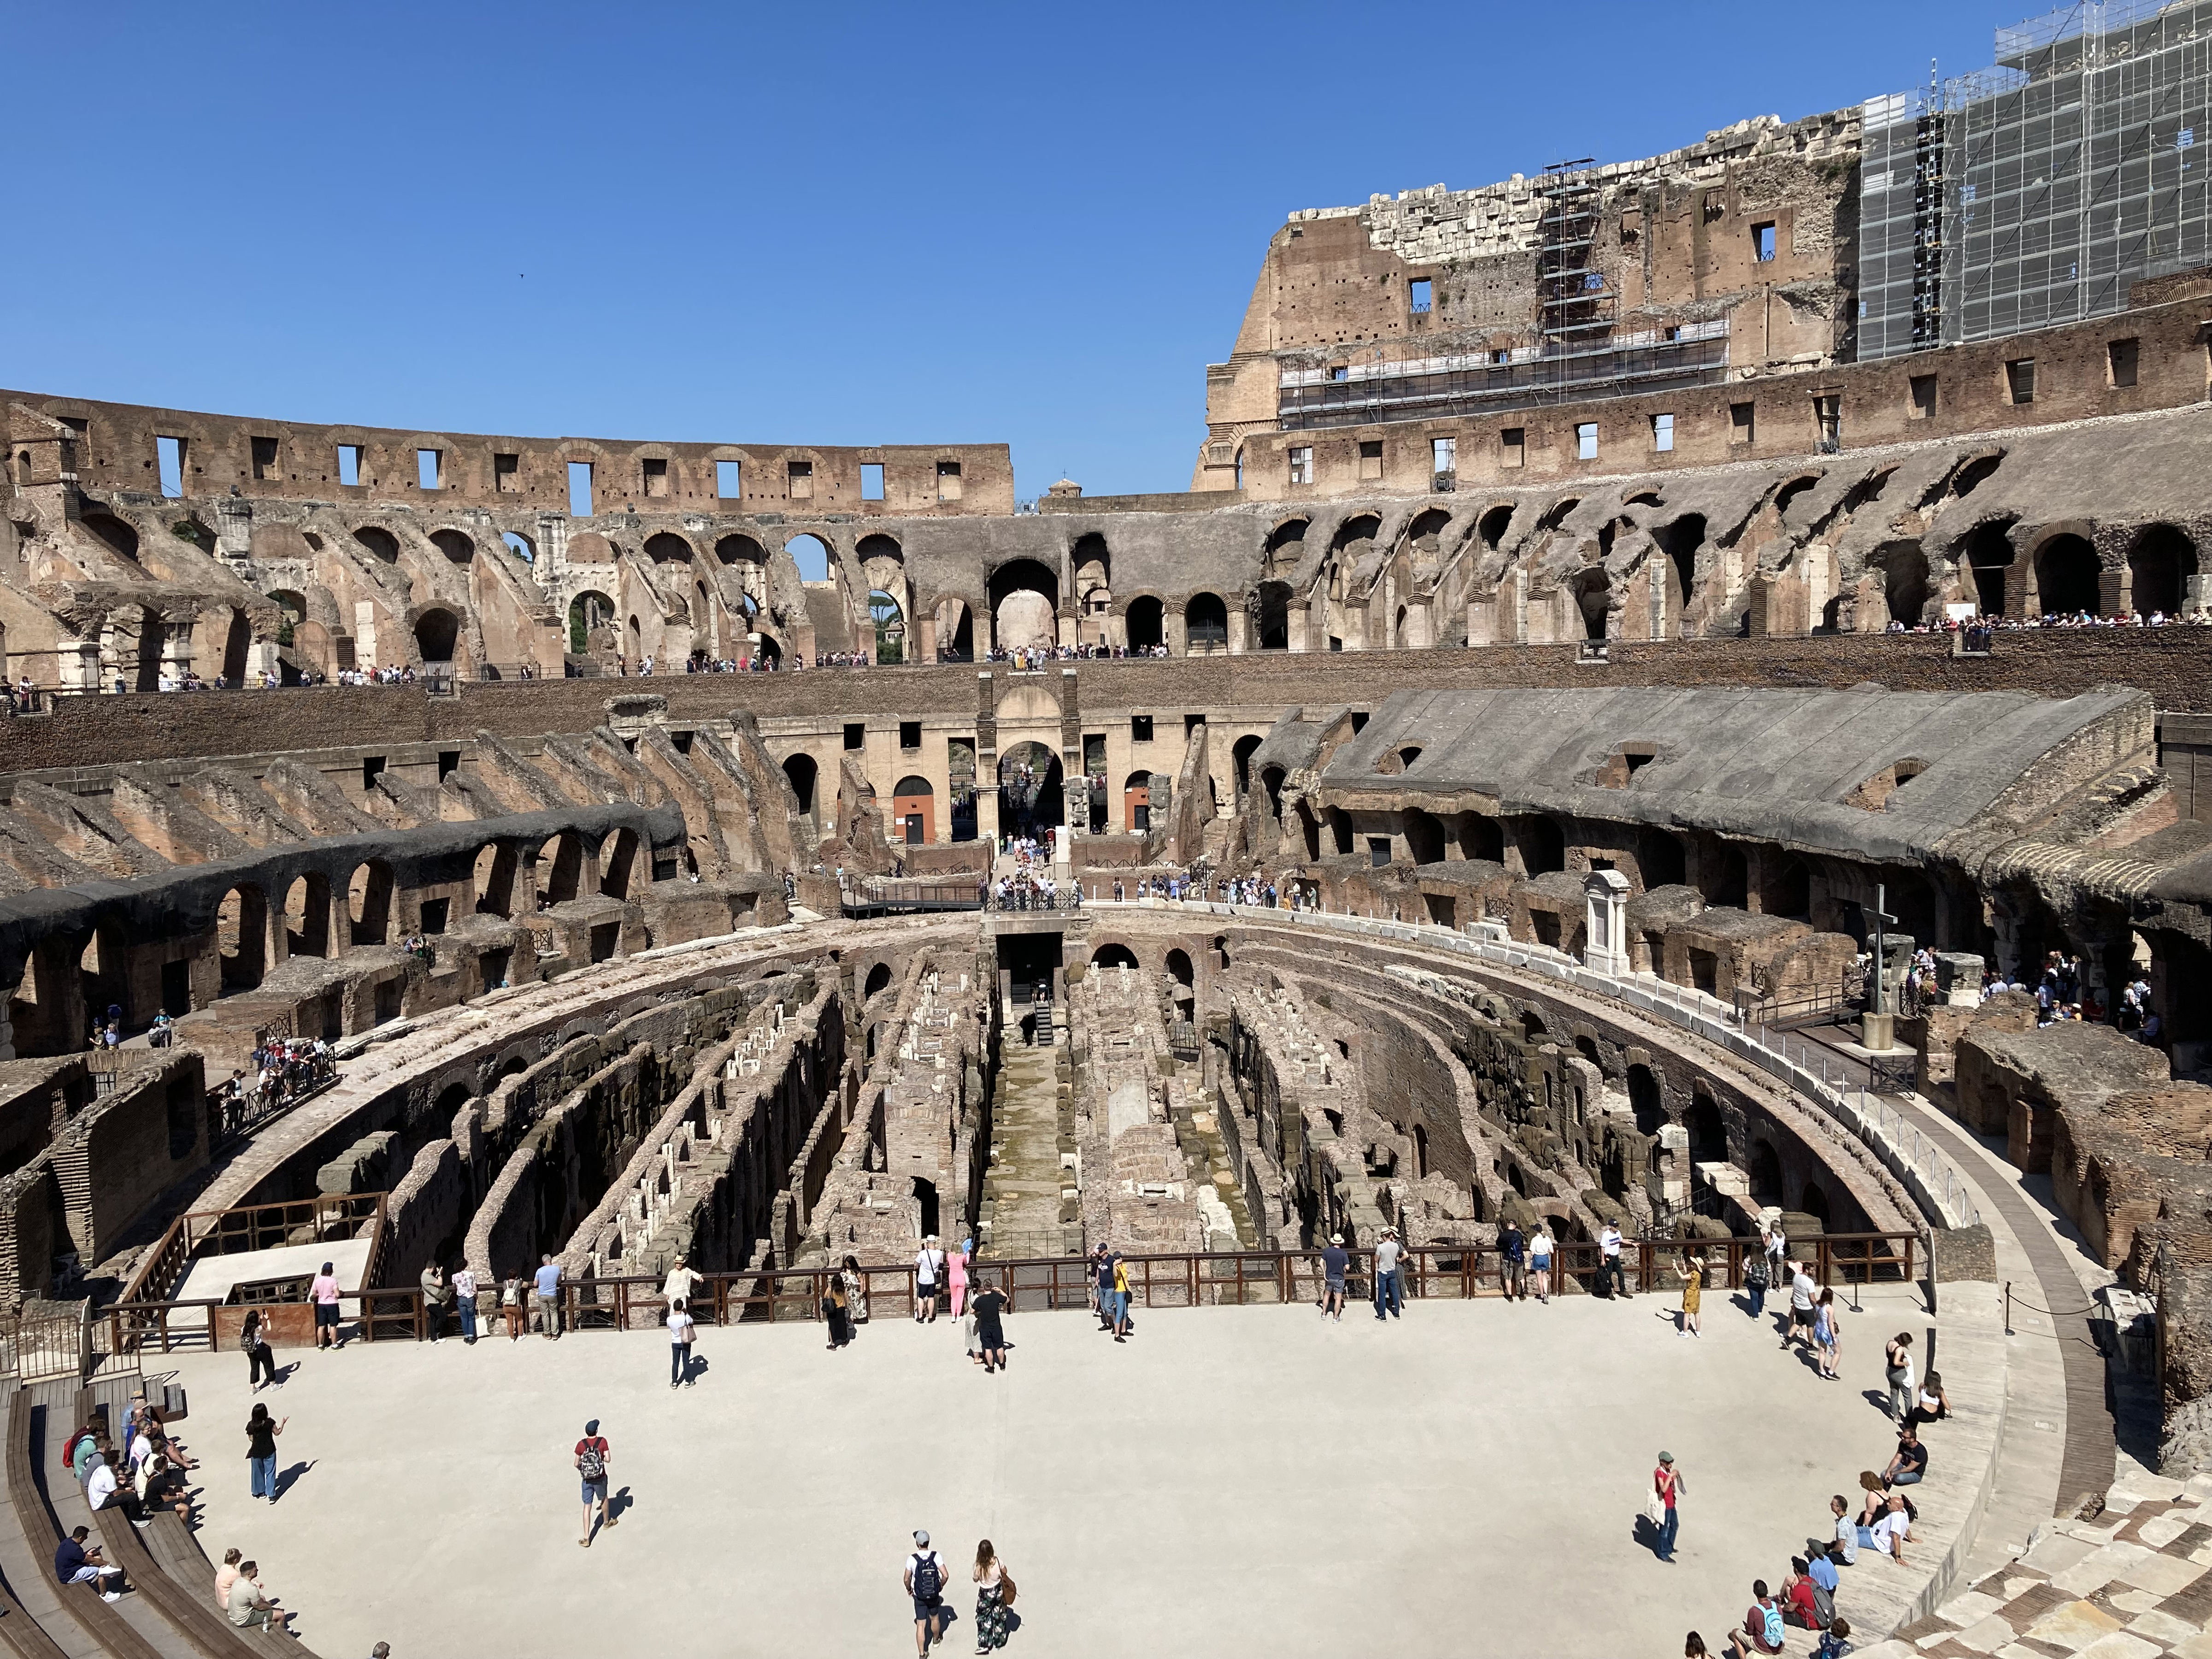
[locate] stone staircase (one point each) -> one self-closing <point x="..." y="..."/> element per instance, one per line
<point x="1028" y="1208"/>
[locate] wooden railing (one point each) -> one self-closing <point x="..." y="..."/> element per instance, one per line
<point x="253" y="1227"/>
<point x="1240" y="1279"/>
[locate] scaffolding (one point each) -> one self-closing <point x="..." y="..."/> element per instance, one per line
<point x="1578" y="304"/>
<point x="2065" y="173"/>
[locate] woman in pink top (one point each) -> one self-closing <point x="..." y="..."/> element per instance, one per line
<point x="956" y="1277"/>
<point x="324" y="1293"/>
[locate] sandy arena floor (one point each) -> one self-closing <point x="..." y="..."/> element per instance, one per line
<point x="1231" y="1482"/>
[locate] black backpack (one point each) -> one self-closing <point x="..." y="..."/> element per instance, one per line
<point x="928" y="1577"/>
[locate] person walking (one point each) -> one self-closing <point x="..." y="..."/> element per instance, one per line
<point x="261" y="1432"/>
<point x="323" y="1292"/>
<point x="1388" y="1298"/>
<point x="464" y="1284"/>
<point x="956" y="1279"/>
<point x="837" y="1312"/>
<point x="1335" y="1262"/>
<point x="1827" y="1336"/>
<point x="1102" y="1280"/>
<point x="680" y="1333"/>
<point x="260" y="1358"/>
<point x="924" y="1577"/>
<point x="546" y="1282"/>
<point x="1609" y="1271"/>
<point x="1667" y="1482"/>
<point x="992" y="1306"/>
<point x="1897" y="1369"/>
<point x="1803" y="1291"/>
<point x="1756" y="1280"/>
<point x="1694" y="1289"/>
<point x="682" y="1283"/>
<point x="1512" y="1250"/>
<point x="593" y="1457"/>
<point x="994" y="1594"/>
<point x="1540" y="1261"/>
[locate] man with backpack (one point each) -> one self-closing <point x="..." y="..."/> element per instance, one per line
<point x="1803" y="1602"/>
<point x="925" y="1582"/>
<point x="593" y="1457"/>
<point x="1763" y="1629"/>
<point x="1512" y="1250"/>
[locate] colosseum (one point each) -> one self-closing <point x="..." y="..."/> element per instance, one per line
<point x="1670" y="717"/>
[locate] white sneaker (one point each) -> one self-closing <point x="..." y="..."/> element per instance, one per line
<point x="110" y="1595"/>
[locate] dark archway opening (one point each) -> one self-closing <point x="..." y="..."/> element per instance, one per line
<point x="2158" y="569"/>
<point x="1661" y="856"/>
<point x="925" y="1195"/>
<point x="435" y="634"/>
<point x="1205" y="624"/>
<point x="1989" y="554"/>
<point x="800" y="771"/>
<point x="1143" y="624"/>
<point x="1424" y="837"/>
<point x="1274" y="616"/>
<point x="1543" y="844"/>
<point x="2066" y="576"/>
<point x="1765" y="1173"/>
<point x="1031" y="798"/>
<point x="1708" y="1133"/>
<point x="1644" y="1099"/>
<point x="1114" y="956"/>
<point x="879" y="979"/>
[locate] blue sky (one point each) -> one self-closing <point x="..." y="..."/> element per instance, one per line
<point x="850" y="224"/>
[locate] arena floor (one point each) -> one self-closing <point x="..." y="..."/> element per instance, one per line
<point x="1233" y="1481"/>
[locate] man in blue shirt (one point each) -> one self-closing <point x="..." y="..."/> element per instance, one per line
<point x="547" y="1281"/>
<point x="76" y="1564"/>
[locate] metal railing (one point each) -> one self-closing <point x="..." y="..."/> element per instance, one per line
<point x="1186" y="1279"/>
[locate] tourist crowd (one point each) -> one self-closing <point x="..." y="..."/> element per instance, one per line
<point x="286" y="1070"/>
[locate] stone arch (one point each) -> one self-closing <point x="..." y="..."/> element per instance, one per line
<point x="740" y="549"/>
<point x="1024" y="604"/>
<point x="1205" y="623"/>
<point x="1424" y="534"/>
<point x="381" y="542"/>
<point x="1765" y="1171"/>
<point x="618" y="863"/>
<point x="1660" y="858"/>
<point x="237" y="641"/>
<point x="1178" y="964"/>
<point x="241" y="932"/>
<point x="368" y="901"/>
<point x="1543" y="844"/>
<point x="1359" y="527"/>
<point x="1593" y="597"/>
<point x="559" y="867"/>
<point x="667" y="547"/>
<point x="1905" y="583"/>
<point x="1813" y="1202"/>
<point x="1680" y="541"/>
<point x="308" y="915"/>
<point x="1707" y="1129"/>
<point x="1646" y="1099"/>
<point x="1556" y="514"/>
<point x="1240" y="758"/>
<point x="1114" y="956"/>
<point x="2066" y="569"/>
<point x="494" y="879"/>
<point x="119" y="537"/>
<point x="1479" y="836"/>
<point x="1791" y="490"/>
<point x="800" y="772"/>
<point x="812" y="556"/>
<point x="589" y="610"/>
<point x="1137" y="803"/>
<point x="1490" y="529"/>
<point x="437" y="634"/>
<point x="2159" y="566"/>
<point x="1272" y="616"/>
<point x="878" y="980"/>
<point x="1988" y="555"/>
<point x="457" y="547"/>
<point x="1144" y="624"/>
<point x="1424" y="836"/>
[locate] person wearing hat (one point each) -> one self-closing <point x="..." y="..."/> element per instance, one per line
<point x="1667" y="1483"/>
<point x="1390" y="1292"/>
<point x="1336" y="1262"/>
<point x="924" y="1582"/>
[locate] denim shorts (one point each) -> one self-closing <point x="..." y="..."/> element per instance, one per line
<point x="595" y="1490"/>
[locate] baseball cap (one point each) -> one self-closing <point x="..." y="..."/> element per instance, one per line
<point x="921" y="1539"/>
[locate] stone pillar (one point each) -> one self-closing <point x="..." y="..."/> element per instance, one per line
<point x="986" y="760"/>
<point x="1959" y="977"/>
<point x="233" y="529"/>
<point x="1605" y="927"/>
<point x="1239" y="635"/>
<point x="925" y="639"/>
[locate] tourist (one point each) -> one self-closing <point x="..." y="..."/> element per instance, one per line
<point x="323" y="1292"/>
<point x="82" y="1453"/>
<point x="956" y="1277"/>
<point x="593" y="1456"/>
<point x="510" y="1304"/>
<point x="1101" y="1284"/>
<point x="992" y="1305"/>
<point x="1762" y="1630"/>
<point x="994" y="1594"/>
<point x="104" y="1489"/>
<point x="1692" y="1267"/>
<point x="1756" y="1280"/>
<point x="1822" y="1572"/>
<point x="1897" y="1369"/>
<point x="1892" y="1529"/>
<point x="1827" y="1336"/>
<point x="261" y="1432"/>
<point x="260" y="1359"/>
<point x="249" y="1608"/>
<point x="76" y="1562"/>
<point x="856" y="1298"/>
<point x="1910" y="1465"/>
<point x="1512" y="1250"/>
<point x="1934" y="1404"/>
<point x="924" y="1582"/>
<point x="226" y="1576"/>
<point x="1389" y="1297"/>
<point x="1776" y="1245"/>
<point x="1540" y="1261"/>
<point x="682" y="1283"/>
<point x="1609" y="1271"/>
<point x="680" y="1333"/>
<point x="1335" y="1262"/>
<point x="1844" y="1533"/>
<point x="435" y="1295"/>
<point x="1121" y="1298"/>
<point x="1694" y="1646"/>
<point x="464" y="1285"/>
<point x="1799" y="1600"/>
<point x="837" y="1311"/>
<point x="546" y="1283"/>
<point x="928" y="1266"/>
<point x="1667" y="1483"/>
<point x="1802" y="1290"/>
<point x="1835" y="1642"/>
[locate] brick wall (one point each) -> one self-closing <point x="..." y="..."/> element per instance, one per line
<point x="2174" y="666"/>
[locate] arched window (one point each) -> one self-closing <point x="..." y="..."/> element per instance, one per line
<point x="1205" y="622"/>
<point x="2066" y="569"/>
